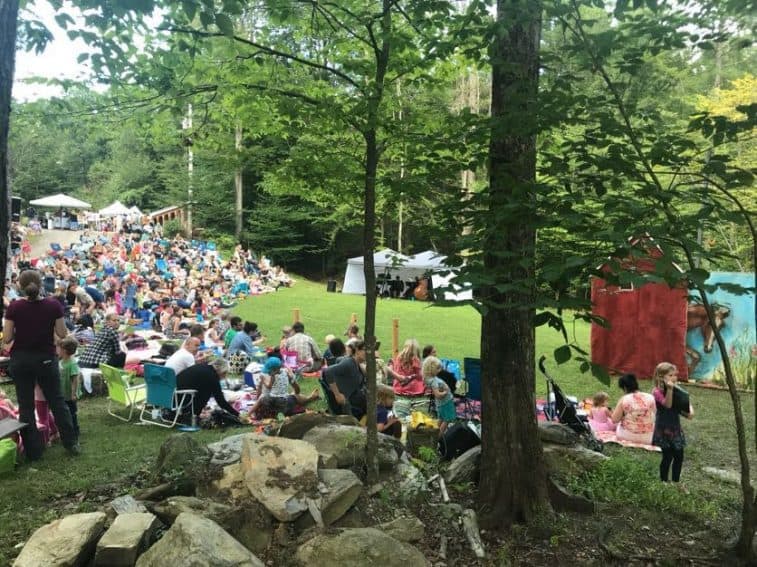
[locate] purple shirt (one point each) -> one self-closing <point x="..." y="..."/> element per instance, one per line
<point x="34" y="324"/>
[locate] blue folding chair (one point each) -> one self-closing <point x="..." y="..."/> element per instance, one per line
<point x="162" y="394"/>
<point x="472" y="370"/>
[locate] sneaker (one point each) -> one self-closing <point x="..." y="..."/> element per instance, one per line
<point x="74" y="450"/>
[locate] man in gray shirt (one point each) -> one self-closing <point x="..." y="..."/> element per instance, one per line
<point x="346" y="382"/>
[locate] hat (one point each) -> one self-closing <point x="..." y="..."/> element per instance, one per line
<point x="273" y="363"/>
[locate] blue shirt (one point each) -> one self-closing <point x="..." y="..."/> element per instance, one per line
<point x="241" y="341"/>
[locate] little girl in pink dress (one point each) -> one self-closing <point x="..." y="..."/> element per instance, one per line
<point x="599" y="417"/>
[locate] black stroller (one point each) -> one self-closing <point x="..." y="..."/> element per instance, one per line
<point x="566" y="412"/>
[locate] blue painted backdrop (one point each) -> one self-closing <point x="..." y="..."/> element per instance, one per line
<point x="738" y="333"/>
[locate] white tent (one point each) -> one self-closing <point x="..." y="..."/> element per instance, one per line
<point x="116" y="209"/>
<point x="135" y="212"/>
<point x="386" y="262"/>
<point x="60" y="200"/>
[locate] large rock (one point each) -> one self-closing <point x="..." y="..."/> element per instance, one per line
<point x="367" y="547"/>
<point x="182" y="458"/>
<point x="231" y="483"/>
<point x="199" y="542"/>
<point x="405" y="480"/>
<point x="730" y="477"/>
<point x="465" y="468"/>
<point x="127" y="537"/>
<point x="281" y="474"/>
<point x="405" y="528"/>
<point x="563" y="500"/>
<point x="249" y="523"/>
<point x="553" y="432"/>
<point x="296" y="426"/>
<point x="340" y="490"/>
<point x="227" y="451"/>
<point x="566" y="461"/>
<point x="68" y="542"/>
<point x="347" y="444"/>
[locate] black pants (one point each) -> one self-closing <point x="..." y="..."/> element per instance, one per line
<point x="28" y="369"/>
<point x="74" y="410"/>
<point x="118" y="360"/>
<point x="674" y="456"/>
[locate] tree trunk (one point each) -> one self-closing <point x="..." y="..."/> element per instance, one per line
<point x="513" y="485"/>
<point x="238" y="185"/>
<point x="8" y="18"/>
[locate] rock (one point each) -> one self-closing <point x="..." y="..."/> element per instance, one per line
<point x="347" y="444"/>
<point x="68" y="542"/>
<point x="227" y="451"/>
<point x="407" y="480"/>
<point x="553" y="432"/>
<point x="343" y="488"/>
<point x="125" y="505"/>
<point x="250" y="524"/>
<point x="296" y="426"/>
<point x="731" y="477"/>
<point x="367" y="547"/>
<point x="565" y="461"/>
<point x="129" y="535"/>
<point x="197" y="541"/>
<point x="405" y="528"/>
<point x="564" y="501"/>
<point x="280" y="473"/>
<point x="465" y="468"/>
<point x="181" y="457"/>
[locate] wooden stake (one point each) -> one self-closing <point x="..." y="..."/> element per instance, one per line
<point x="470" y="527"/>
<point x="443" y="487"/>
<point x="353" y="319"/>
<point x="395" y="337"/>
<point x="443" y="547"/>
<point x="296" y="315"/>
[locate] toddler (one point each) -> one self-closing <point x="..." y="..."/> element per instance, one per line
<point x="445" y="403"/>
<point x="599" y="417"/>
<point x="70" y="382"/>
<point x="389" y="425"/>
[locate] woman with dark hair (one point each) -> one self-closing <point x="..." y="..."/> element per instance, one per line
<point x="32" y="324"/>
<point x="635" y="412"/>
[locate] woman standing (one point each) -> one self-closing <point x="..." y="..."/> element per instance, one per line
<point x="31" y="324"/>
<point x="635" y="412"/>
<point x="668" y="434"/>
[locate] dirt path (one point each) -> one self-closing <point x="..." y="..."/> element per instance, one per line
<point x="41" y="242"/>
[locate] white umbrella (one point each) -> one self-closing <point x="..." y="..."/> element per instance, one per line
<point x="116" y="209"/>
<point x="60" y="200"/>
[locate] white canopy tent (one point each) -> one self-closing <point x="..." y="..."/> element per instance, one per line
<point x="60" y="200"/>
<point x="135" y="212"/>
<point x="116" y="209"/>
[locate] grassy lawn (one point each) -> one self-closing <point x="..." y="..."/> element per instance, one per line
<point x="112" y="450"/>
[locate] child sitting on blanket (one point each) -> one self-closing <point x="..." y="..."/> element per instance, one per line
<point x="386" y="424"/>
<point x="599" y="417"/>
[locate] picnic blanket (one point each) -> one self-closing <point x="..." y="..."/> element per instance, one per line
<point x="611" y="437"/>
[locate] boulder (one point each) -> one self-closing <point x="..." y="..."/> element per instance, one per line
<point x="465" y="468"/>
<point x="197" y="541"/>
<point x="182" y="458"/>
<point x="731" y="477"/>
<point x="125" y="505"/>
<point x="405" y="528"/>
<point x="406" y="479"/>
<point x="250" y="523"/>
<point x="231" y="481"/>
<point x="296" y="426"/>
<point x="368" y="547"/>
<point x="340" y="490"/>
<point x="127" y="537"/>
<point x="68" y="542"/>
<point x="553" y="432"/>
<point x="347" y="444"/>
<point x="563" y="500"/>
<point x="280" y="473"/>
<point x="565" y="461"/>
<point x="227" y="451"/>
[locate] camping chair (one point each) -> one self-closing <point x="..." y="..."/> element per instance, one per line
<point x="162" y="265"/>
<point x="163" y="395"/>
<point x="470" y="385"/>
<point x="120" y="392"/>
<point x="54" y="248"/>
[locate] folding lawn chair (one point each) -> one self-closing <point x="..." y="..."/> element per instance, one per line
<point x="120" y="392"/>
<point x="162" y="395"/>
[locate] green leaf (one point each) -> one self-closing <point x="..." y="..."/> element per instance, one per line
<point x="562" y="354"/>
<point x="225" y="24"/>
<point x="82" y="57"/>
<point x="190" y="9"/>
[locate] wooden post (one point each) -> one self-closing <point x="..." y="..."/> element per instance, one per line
<point x="296" y="315"/>
<point x="353" y="319"/>
<point x="395" y="337"/>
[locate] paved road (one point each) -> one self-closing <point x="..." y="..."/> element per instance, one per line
<point x="41" y="243"/>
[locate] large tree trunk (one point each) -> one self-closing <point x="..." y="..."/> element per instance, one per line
<point x="8" y="17"/>
<point x="513" y="484"/>
<point x="238" y="185"/>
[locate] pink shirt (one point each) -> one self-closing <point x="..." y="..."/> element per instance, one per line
<point x="638" y="412"/>
<point x="416" y="386"/>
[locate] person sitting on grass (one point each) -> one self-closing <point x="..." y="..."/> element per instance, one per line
<point x="106" y="347"/>
<point x="386" y="424"/>
<point x="235" y="325"/>
<point x="70" y="380"/>
<point x="275" y="398"/>
<point x="445" y="404"/>
<point x="335" y="351"/>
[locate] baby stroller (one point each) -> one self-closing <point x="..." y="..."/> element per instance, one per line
<point x="565" y="411"/>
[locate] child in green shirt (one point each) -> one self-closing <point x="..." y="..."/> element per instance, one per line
<point x="70" y="383"/>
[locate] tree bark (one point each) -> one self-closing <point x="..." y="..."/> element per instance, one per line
<point x="8" y="19"/>
<point x="238" y="185"/>
<point x="513" y="485"/>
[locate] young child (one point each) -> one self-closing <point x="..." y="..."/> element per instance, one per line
<point x="668" y="434"/>
<point x="389" y="425"/>
<point x="70" y="382"/>
<point x="445" y="403"/>
<point x="599" y="417"/>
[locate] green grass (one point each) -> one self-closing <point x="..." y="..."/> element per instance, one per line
<point x="114" y="450"/>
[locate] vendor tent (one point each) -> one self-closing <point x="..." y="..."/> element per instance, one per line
<point x="387" y="262"/>
<point x="116" y="209"/>
<point x="135" y="212"/>
<point x="60" y="201"/>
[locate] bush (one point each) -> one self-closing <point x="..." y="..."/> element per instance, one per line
<point x="626" y="480"/>
<point x="171" y="228"/>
